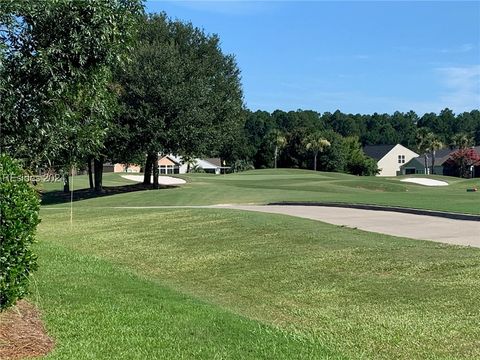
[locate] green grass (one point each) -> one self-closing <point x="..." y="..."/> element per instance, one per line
<point x="263" y="186"/>
<point x="97" y="310"/>
<point x="202" y="283"/>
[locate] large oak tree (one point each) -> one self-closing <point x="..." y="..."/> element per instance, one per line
<point x="180" y="93"/>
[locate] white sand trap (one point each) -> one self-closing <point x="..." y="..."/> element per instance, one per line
<point x="162" y="180"/>
<point x="426" y="182"/>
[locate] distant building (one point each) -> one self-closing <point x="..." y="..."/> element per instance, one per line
<point x="389" y="157"/>
<point x="171" y="164"/>
<point x="126" y="168"/>
<point x="441" y="166"/>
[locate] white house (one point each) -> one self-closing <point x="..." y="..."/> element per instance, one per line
<point x="389" y="157"/>
<point x="170" y="164"/>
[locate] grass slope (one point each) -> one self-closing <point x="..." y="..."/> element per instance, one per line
<point x="200" y="283"/>
<point x="97" y="310"/>
<point x="263" y="186"/>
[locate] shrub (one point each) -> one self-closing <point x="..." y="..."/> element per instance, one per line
<point x="196" y="170"/>
<point x="357" y="162"/>
<point x="461" y="160"/>
<point x="19" y="206"/>
<point x="242" y="165"/>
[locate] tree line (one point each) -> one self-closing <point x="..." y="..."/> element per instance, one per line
<point x="258" y="143"/>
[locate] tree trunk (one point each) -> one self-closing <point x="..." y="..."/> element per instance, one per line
<point x="155" y="175"/>
<point x="276" y="152"/>
<point x="433" y="161"/>
<point x="426" y="164"/>
<point x="66" y="183"/>
<point x="90" y="174"/>
<point x="148" y="169"/>
<point x="315" y="162"/>
<point x="98" y="172"/>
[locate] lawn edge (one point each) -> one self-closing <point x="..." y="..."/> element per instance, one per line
<point x="414" y="211"/>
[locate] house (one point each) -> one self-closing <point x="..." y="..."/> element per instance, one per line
<point x="441" y="166"/>
<point x="417" y="164"/>
<point x="389" y="157"/>
<point x="170" y="164"/>
<point x="117" y="168"/>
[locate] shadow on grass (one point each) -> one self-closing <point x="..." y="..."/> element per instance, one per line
<point x="60" y="197"/>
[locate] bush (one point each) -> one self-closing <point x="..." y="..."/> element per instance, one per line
<point x="242" y="165"/>
<point x="357" y="162"/>
<point x="196" y="170"/>
<point x="19" y="206"/>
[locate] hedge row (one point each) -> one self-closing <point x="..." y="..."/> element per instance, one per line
<point x="19" y="207"/>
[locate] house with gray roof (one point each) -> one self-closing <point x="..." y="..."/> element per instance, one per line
<point x="441" y="167"/>
<point x="171" y="164"/>
<point x="389" y="157"/>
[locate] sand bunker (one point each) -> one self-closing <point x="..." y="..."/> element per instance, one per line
<point x="162" y="180"/>
<point x="425" y="181"/>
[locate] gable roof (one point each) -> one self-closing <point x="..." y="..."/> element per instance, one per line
<point x="418" y="161"/>
<point x="206" y="164"/>
<point x="377" y="151"/>
<point x="214" y="161"/>
<point x="172" y="158"/>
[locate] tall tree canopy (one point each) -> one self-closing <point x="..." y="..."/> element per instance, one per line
<point x="180" y="93"/>
<point x="55" y="67"/>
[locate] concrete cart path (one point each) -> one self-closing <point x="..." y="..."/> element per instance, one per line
<point x="457" y="232"/>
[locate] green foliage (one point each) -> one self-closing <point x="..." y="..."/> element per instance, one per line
<point x="462" y="140"/>
<point x="195" y="169"/>
<point x="375" y="129"/>
<point x="19" y="206"/>
<point x="180" y="93"/>
<point x="315" y="143"/>
<point x="56" y="60"/>
<point x="242" y="165"/>
<point x="357" y="162"/>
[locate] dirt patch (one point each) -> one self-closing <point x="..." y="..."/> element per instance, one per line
<point x="22" y="334"/>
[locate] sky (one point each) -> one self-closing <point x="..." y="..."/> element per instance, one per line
<point x="357" y="57"/>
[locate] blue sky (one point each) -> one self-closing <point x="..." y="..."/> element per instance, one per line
<point x="358" y="57"/>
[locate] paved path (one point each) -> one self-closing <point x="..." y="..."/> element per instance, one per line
<point x="457" y="232"/>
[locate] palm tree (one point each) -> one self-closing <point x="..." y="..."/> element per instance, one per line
<point x="424" y="139"/>
<point x="428" y="143"/>
<point x="317" y="144"/>
<point x="435" y="144"/>
<point x="190" y="161"/>
<point x="279" y="141"/>
<point x="462" y="141"/>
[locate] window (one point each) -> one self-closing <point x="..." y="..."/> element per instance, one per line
<point x="401" y="159"/>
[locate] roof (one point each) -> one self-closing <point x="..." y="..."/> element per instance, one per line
<point x="441" y="155"/>
<point x="377" y="151"/>
<point x="416" y="161"/>
<point x="205" y="164"/>
<point x="209" y="163"/>
<point x="171" y="158"/>
<point x="214" y="161"/>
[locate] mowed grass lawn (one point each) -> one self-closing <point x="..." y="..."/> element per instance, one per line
<point x="225" y="284"/>
<point x="263" y="186"/>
